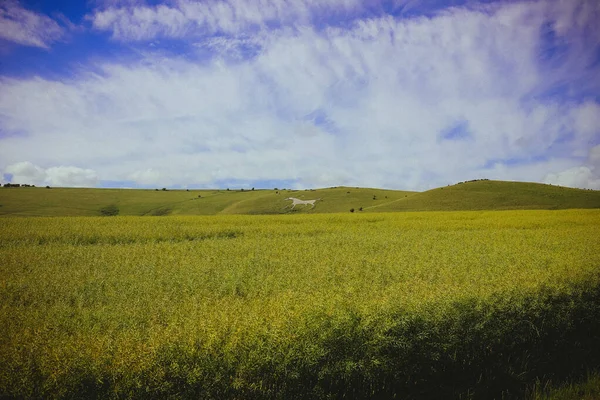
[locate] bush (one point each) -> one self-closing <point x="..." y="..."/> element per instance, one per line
<point x="109" y="211"/>
<point x="164" y="189"/>
<point x="160" y="212"/>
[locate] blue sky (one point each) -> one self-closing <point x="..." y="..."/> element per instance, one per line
<point x="401" y="94"/>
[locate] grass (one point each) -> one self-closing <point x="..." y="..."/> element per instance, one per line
<point x="586" y="389"/>
<point x="480" y="195"/>
<point x="413" y="305"/>
<point x="496" y="195"/>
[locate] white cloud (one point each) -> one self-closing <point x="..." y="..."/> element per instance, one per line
<point x="186" y="17"/>
<point x="578" y="177"/>
<point x="27" y="173"/>
<point x="26" y="27"/>
<point x="585" y="177"/>
<point x="116" y="3"/>
<point x="363" y="106"/>
<point x="587" y="119"/>
<point x="594" y="158"/>
<point x="146" y="177"/>
<point x="71" y="176"/>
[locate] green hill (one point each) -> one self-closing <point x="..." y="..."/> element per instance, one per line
<point x="338" y="199"/>
<point x="477" y="195"/>
<point x="495" y="195"/>
<point x="26" y="201"/>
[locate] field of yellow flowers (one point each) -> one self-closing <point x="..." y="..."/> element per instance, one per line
<point x="413" y="305"/>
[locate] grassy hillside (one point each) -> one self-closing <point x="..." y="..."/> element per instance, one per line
<point x="339" y="199"/>
<point x="479" y="195"/>
<point x="495" y="195"/>
<point x="90" y="202"/>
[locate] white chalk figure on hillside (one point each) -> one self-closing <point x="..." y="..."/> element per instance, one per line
<point x="296" y="201"/>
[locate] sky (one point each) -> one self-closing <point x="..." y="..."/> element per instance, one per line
<point x="397" y="94"/>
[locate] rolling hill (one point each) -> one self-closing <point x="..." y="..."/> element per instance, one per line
<point x="475" y="195"/>
<point x="495" y="195"/>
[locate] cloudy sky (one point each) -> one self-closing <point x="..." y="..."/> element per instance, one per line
<point x="401" y="94"/>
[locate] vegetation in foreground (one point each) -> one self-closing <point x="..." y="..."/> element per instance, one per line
<point x="586" y="389"/>
<point x="478" y="195"/>
<point x="412" y="305"/>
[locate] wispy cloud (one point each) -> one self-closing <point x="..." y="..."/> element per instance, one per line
<point x="185" y="18"/>
<point x="26" y="27"/>
<point x="410" y="103"/>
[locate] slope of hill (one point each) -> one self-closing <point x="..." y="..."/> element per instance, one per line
<point x="337" y="199"/>
<point x="478" y="195"/>
<point x="495" y="195"/>
<point x="90" y="202"/>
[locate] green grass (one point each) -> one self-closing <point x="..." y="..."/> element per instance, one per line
<point x="413" y="305"/>
<point x="90" y="202"/>
<point x="586" y="389"/>
<point x="339" y="199"/>
<point x="480" y="195"/>
<point x="496" y="195"/>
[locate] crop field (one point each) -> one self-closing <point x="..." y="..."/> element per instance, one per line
<point x="465" y="304"/>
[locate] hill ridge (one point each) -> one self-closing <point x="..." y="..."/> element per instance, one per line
<point x="468" y="195"/>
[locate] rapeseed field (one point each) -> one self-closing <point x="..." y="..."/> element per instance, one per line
<point x="476" y="304"/>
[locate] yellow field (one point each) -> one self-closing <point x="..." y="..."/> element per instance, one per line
<point x="297" y="305"/>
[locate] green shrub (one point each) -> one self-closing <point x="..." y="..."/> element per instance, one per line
<point x="110" y="210"/>
<point x="161" y="212"/>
